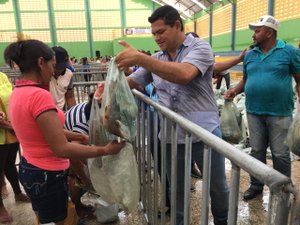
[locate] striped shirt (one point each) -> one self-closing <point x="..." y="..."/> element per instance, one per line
<point x="76" y="120"/>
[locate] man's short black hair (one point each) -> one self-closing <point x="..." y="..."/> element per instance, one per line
<point x="168" y="14"/>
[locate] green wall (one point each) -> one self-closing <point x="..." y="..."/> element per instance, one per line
<point x="287" y="32"/>
<point x="77" y="49"/>
<point x="221" y="43"/>
<point x="105" y="47"/>
<point x="81" y="49"/>
<point x="141" y="43"/>
<point x="2" y="48"/>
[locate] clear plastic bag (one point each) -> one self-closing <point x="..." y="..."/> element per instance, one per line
<point x="293" y="137"/>
<point x="115" y="177"/>
<point x="118" y="109"/>
<point x="105" y="212"/>
<point x="230" y="123"/>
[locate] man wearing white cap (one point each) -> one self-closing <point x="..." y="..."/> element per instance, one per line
<point x="268" y="71"/>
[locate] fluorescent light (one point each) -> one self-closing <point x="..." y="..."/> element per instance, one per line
<point x="157" y="2"/>
<point x="199" y="4"/>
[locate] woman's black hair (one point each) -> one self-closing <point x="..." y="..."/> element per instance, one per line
<point x="25" y="54"/>
<point x="168" y="14"/>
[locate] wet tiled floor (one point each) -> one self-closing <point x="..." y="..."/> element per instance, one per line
<point x="249" y="213"/>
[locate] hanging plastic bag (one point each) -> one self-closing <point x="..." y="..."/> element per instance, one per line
<point x="105" y="212"/>
<point x="115" y="177"/>
<point x="293" y="137"/>
<point x="230" y="123"/>
<point x="118" y="109"/>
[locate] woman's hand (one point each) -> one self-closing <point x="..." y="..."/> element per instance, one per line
<point x="114" y="147"/>
<point x="2" y="116"/>
<point x="99" y="91"/>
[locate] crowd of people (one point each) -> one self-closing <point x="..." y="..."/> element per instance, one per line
<point x="103" y="60"/>
<point x="180" y="75"/>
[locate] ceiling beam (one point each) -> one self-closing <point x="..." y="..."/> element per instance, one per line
<point x="199" y="4"/>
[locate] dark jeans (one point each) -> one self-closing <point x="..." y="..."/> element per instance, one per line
<point x="47" y="190"/>
<point x="227" y="80"/>
<point x="219" y="190"/>
<point x="8" y="153"/>
<point x="87" y="77"/>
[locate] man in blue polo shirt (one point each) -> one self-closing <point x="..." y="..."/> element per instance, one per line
<point x="268" y="72"/>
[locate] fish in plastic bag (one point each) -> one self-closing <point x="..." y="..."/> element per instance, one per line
<point x="115" y="177"/>
<point x="118" y="108"/>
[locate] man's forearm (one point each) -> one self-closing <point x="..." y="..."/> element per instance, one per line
<point x="239" y="88"/>
<point x="180" y="73"/>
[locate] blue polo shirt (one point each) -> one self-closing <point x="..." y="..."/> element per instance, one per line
<point x="269" y="77"/>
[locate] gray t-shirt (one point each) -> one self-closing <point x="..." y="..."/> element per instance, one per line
<point x="195" y="101"/>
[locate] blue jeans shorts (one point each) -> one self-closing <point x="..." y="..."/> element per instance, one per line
<point x="47" y="190"/>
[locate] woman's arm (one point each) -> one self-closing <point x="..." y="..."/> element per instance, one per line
<point x="54" y="134"/>
<point x="74" y="136"/>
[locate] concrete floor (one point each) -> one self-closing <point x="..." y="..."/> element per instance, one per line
<point x="250" y="213"/>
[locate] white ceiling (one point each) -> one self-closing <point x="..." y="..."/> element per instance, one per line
<point x="187" y="8"/>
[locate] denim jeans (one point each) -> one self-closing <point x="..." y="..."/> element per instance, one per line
<point x="227" y="80"/>
<point x="219" y="190"/>
<point x="47" y="190"/>
<point x="270" y="131"/>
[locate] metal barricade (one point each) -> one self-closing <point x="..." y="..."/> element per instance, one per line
<point x="280" y="186"/>
<point x="89" y="76"/>
<point x="83" y="89"/>
<point x="96" y="72"/>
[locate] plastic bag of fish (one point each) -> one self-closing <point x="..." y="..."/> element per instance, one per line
<point x="115" y="177"/>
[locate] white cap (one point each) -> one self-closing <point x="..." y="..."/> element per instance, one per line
<point x="268" y="21"/>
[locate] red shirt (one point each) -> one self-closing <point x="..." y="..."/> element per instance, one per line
<point x="27" y="102"/>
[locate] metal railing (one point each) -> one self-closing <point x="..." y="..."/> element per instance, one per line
<point x="83" y="89"/>
<point x="280" y="186"/>
<point x="97" y="72"/>
<point x="153" y="195"/>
